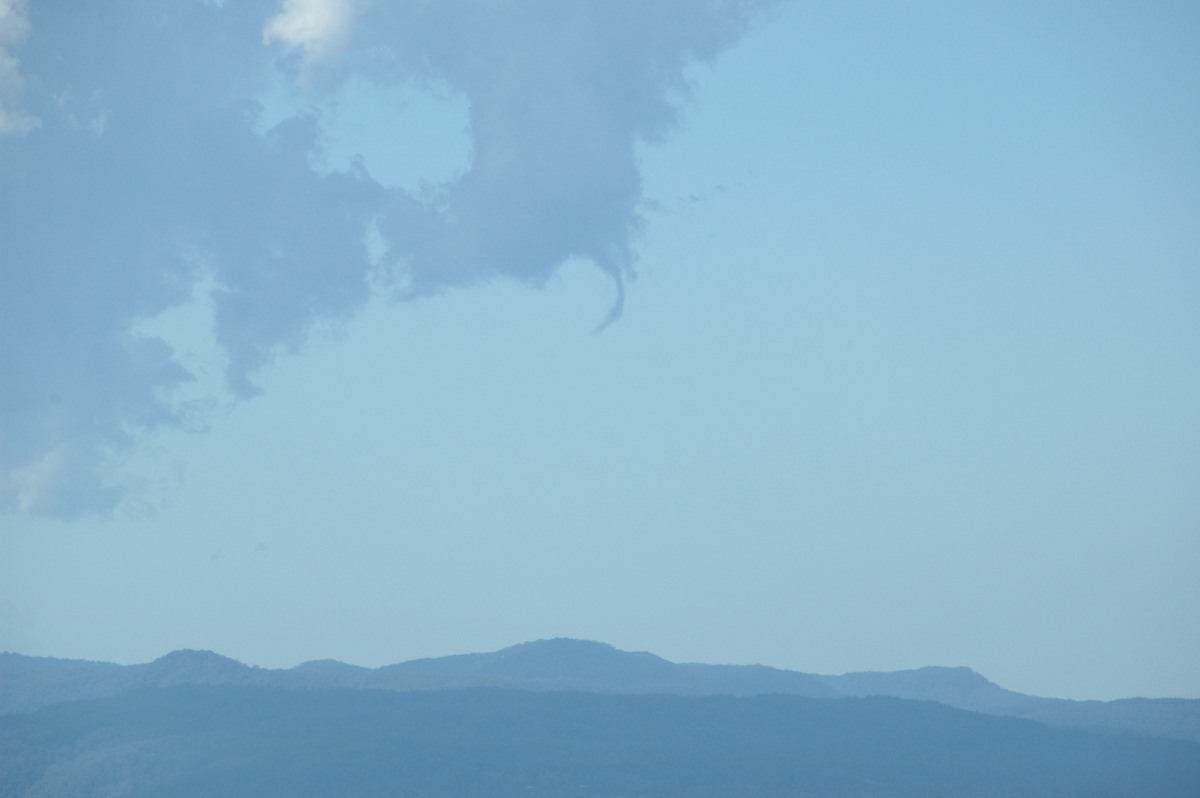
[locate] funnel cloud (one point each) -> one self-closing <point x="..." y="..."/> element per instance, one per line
<point x="138" y="163"/>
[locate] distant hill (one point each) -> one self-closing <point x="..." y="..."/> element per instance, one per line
<point x="27" y="683"/>
<point x="605" y="667"/>
<point x="189" y="741"/>
<point x="329" y="666"/>
<point x="957" y="687"/>
<point x="600" y="664"/>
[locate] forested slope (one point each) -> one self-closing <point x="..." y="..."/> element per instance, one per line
<point x="252" y="741"/>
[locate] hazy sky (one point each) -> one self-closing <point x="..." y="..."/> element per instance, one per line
<point x="298" y="348"/>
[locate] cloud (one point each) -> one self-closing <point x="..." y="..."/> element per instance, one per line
<point x="315" y="27"/>
<point x="151" y="174"/>
<point x="560" y="91"/>
<point x="14" y="28"/>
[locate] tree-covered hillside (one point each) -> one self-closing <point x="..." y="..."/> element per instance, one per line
<point x="251" y="741"/>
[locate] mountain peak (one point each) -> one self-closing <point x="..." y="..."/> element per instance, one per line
<point x="959" y="687"/>
<point x="195" y="655"/>
<point x="562" y="644"/>
<point x="556" y="659"/>
<point x="191" y="665"/>
<point x="565" y="649"/>
<point x="568" y="658"/>
<point x="328" y="666"/>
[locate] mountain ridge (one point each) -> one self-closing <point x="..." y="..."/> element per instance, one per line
<point x="558" y="664"/>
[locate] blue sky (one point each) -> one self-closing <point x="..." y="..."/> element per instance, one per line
<point x="298" y="309"/>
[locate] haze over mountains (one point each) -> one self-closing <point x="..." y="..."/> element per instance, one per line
<point x="568" y="718"/>
<point x="27" y="683"/>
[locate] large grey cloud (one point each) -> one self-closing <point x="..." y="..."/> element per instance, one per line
<point x="140" y="166"/>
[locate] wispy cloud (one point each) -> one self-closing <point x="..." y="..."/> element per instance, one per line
<point x="14" y="28"/>
<point x="150" y="173"/>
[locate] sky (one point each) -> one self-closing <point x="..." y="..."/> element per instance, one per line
<point x="832" y="337"/>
